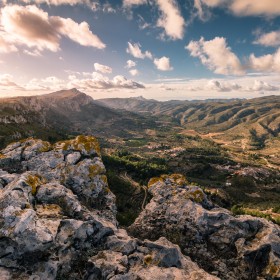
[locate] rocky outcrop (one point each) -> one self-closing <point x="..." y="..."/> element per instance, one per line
<point x="57" y="220"/>
<point x="76" y="164"/>
<point x="230" y="247"/>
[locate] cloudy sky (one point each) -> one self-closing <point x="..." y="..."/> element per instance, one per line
<point x="162" y="49"/>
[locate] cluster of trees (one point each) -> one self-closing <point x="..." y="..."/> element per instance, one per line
<point x="141" y="169"/>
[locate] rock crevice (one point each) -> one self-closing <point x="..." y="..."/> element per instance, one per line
<point x="58" y="220"/>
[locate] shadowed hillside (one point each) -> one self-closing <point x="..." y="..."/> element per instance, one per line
<point x="252" y="123"/>
<point x="56" y="115"/>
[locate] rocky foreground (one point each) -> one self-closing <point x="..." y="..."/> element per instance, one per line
<point x="58" y="221"/>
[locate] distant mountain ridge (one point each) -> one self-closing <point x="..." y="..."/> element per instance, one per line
<point x="251" y="123"/>
<point x="235" y="118"/>
<point x="55" y="115"/>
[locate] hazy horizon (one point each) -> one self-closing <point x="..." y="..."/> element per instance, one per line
<point x="140" y="96"/>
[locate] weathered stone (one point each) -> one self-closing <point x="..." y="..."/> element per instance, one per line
<point x="57" y="220"/>
<point x="241" y="247"/>
<point x="74" y="163"/>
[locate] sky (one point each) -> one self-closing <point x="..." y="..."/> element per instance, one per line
<point x="161" y="49"/>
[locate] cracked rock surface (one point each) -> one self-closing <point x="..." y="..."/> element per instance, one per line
<point x="58" y="220"/>
<point x="242" y="247"/>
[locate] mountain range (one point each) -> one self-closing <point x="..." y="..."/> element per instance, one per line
<point x="238" y="124"/>
<point x="54" y="116"/>
<point x="256" y="119"/>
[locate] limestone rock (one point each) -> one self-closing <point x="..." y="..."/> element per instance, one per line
<point x="74" y="163"/>
<point x="57" y="220"/>
<point x="241" y="247"/>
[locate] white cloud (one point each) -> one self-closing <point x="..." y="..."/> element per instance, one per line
<point x="130" y="3"/>
<point x="102" y="68"/>
<point x="30" y="26"/>
<point x="221" y="86"/>
<point x="216" y="55"/>
<point x="255" y="8"/>
<point x="265" y="63"/>
<point x="171" y="19"/>
<point x="135" y="51"/>
<point x="35" y="53"/>
<point x="34" y="28"/>
<point x="35" y="85"/>
<point x="98" y="81"/>
<point x="271" y="39"/>
<point x="79" y="33"/>
<point x="263" y="86"/>
<point x="268" y="8"/>
<point x="178" y="88"/>
<point x="6" y="46"/>
<point x="163" y="63"/>
<point x="134" y="72"/>
<point x="130" y="64"/>
<point x="7" y="83"/>
<point x="50" y="83"/>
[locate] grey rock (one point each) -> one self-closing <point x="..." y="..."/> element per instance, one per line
<point x="57" y="220"/>
<point x="231" y="247"/>
<point x="74" y="163"/>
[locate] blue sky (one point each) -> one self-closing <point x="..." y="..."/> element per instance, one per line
<point x="163" y="49"/>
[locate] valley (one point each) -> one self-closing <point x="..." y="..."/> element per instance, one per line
<point x="228" y="147"/>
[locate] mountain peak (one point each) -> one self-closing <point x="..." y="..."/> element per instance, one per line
<point x="141" y="98"/>
<point x="65" y="93"/>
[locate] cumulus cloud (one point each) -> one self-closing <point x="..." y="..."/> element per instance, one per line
<point x="265" y="63"/>
<point x="95" y="81"/>
<point x="163" y="63"/>
<point x="222" y="86"/>
<point x="34" y="28"/>
<point x="130" y="63"/>
<point x="79" y="33"/>
<point x="135" y="51"/>
<point x="134" y="72"/>
<point x="271" y="39"/>
<point x="102" y="68"/>
<point x="130" y="3"/>
<point x="255" y="8"/>
<point x="98" y="81"/>
<point x="171" y="19"/>
<point x="216" y="55"/>
<point x="263" y="86"/>
<point x="267" y="8"/>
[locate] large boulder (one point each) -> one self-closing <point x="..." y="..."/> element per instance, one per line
<point x="74" y="163"/>
<point x="231" y="247"/>
<point x="57" y="220"/>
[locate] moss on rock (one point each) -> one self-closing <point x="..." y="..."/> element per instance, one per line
<point x="82" y="143"/>
<point x="34" y="181"/>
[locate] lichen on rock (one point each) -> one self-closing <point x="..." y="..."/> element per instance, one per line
<point x="34" y="181"/>
<point x="87" y="145"/>
<point x="230" y="247"/>
<point x="57" y="220"/>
